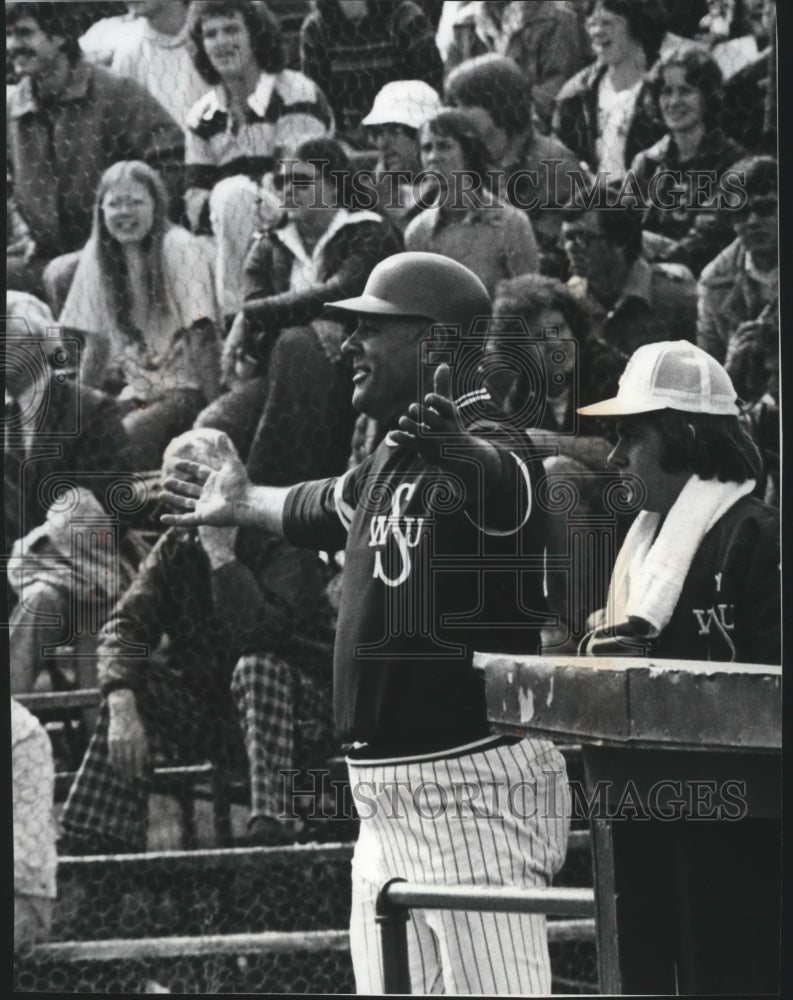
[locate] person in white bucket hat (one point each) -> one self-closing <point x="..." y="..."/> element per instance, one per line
<point x="399" y="110"/>
<point x="697" y="576"/>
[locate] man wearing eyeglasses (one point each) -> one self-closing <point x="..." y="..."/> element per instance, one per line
<point x="738" y="321"/>
<point x="737" y="286"/>
<point x="630" y="300"/>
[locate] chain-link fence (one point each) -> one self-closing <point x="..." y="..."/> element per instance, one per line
<point x="188" y="185"/>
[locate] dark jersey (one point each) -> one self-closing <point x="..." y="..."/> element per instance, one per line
<point x="430" y="575"/>
<point x="729" y="607"/>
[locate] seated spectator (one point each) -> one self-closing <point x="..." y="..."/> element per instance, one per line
<point x="605" y="113"/>
<point x="631" y="301"/>
<point x="743" y="280"/>
<point x="154" y="52"/>
<point x="534" y="170"/>
<point x="46" y="406"/>
<point x="289" y="409"/>
<point x="353" y="48"/>
<point x="738" y="311"/>
<point x="66" y="583"/>
<point x="540" y="362"/>
<point x="64" y="448"/>
<point x="685" y="18"/>
<point x="35" y="857"/>
<point x="543" y="38"/>
<point x="200" y="660"/>
<point x="468" y="222"/>
<point x="290" y="15"/>
<point x="143" y="293"/>
<point x="676" y="175"/>
<point x="68" y="121"/>
<point x="750" y="94"/>
<point x="256" y="112"/>
<point x="393" y="123"/>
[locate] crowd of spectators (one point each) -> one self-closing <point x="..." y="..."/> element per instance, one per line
<point x="188" y="186"/>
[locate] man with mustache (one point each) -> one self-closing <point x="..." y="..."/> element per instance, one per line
<point x="67" y="122"/>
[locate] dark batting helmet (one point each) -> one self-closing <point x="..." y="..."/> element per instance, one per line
<point x="421" y="284"/>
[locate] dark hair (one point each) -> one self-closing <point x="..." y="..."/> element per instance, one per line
<point x="700" y="70"/>
<point x="54" y="19"/>
<point x="529" y="294"/>
<point x="683" y="16"/>
<point x="760" y="175"/>
<point x="719" y="447"/>
<point x="331" y="11"/>
<point x="620" y="224"/>
<point x="331" y="162"/>
<point x="741" y="20"/>
<point x="645" y="19"/>
<point x="496" y="84"/>
<point x="262" y="26"/>
<point x="459" y="125"/>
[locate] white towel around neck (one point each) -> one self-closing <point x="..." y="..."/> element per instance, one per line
<point x="648" y="575"/>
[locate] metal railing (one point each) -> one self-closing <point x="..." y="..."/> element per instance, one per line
<point x="398" y="897"/>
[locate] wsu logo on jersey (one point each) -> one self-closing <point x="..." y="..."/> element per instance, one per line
<point x="706" y="617"/>
<point x="406" y="532"/>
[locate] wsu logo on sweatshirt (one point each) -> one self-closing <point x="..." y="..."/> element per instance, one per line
<point x="405" y="531"/>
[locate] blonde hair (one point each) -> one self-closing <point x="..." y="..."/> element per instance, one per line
<point x="111" y="267"/>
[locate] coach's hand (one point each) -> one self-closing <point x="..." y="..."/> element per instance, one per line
<point x="207" y="496"/>
<point x="434" y="425"/>
<point x="128" y="748"/>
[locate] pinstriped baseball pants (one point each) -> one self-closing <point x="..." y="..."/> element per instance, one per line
<point x="499" y="816"/>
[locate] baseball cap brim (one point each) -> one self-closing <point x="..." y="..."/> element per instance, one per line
<point x="616" y="407"/>
<point x="370" y="305"/>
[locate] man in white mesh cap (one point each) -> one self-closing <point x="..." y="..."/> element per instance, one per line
<point x="398" y="112"/>
<point x="697" y="576"/>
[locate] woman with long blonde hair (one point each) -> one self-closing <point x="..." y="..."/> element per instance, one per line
<point x="143" y="296"/>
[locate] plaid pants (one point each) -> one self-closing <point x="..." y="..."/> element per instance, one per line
<point x="268" y="701"/>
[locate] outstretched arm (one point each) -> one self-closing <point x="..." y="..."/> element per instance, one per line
<point x="225" y="498"/>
